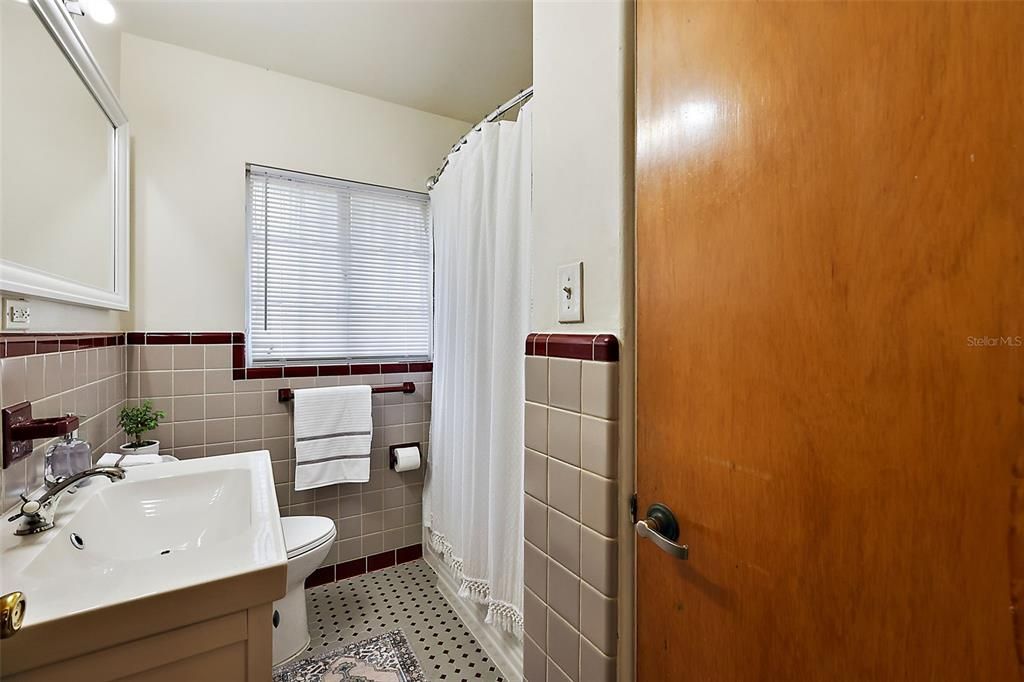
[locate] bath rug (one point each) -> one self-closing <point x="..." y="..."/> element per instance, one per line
<point x="384" y="658"/>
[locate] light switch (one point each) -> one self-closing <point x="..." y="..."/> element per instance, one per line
<point x="570" y="292"/>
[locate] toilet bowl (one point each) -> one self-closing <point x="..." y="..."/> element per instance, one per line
<point x="307" y="540"/>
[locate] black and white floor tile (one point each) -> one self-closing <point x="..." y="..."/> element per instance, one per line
<point x="403" y="596"/>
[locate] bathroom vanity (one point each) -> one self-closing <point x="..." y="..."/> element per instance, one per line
<point x="168" y="574"/>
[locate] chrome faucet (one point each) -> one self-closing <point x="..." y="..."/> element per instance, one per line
<point x="38" y="514"/>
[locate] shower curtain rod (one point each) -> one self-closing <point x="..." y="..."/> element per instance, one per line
<point x="518" y="99"/>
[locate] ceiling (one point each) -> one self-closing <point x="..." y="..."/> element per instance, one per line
<point x="456" y="58"/>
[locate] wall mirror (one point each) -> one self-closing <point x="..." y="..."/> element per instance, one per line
<point x="63" y="163"/>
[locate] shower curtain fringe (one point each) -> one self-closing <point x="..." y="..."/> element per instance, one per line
<point x="499" y="613"/>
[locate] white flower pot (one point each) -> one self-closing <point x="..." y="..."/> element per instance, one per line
<point x="148" y="447"/>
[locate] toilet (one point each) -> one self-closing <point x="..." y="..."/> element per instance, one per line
<point x="307" y="540"/>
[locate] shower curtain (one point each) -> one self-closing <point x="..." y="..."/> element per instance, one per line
<point x="473" y="492"/>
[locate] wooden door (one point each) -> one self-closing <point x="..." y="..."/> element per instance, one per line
<point x="830" y="305"/>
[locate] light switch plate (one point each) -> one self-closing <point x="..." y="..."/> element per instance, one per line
<point x="570" y="292"/>
<point x="17" y="314"/>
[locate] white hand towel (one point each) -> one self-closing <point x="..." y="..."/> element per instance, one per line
<point x="333" y="429"/>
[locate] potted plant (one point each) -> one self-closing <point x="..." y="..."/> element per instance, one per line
<point x="136" y="421"/>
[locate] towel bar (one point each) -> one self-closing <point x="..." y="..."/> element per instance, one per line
<point x="286" y="394"/>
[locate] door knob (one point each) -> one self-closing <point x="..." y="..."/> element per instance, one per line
<point x="660" y="527"/>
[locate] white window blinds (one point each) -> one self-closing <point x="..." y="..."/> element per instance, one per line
<point x="338" y="270"/>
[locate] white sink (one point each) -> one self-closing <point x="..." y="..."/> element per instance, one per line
<point x="163" y="528"/>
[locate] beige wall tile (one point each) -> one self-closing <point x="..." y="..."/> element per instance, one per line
<point x="598" y="508"/>
<point x="193" y="452"/>
<point x="248" y="428"/>
<point x="535" y="522"/>
<point x="600" y="388"/>
<point x="599" y="444"/>
<point x="564" y="436"/>
<point x="188" y="357"/>
<point x="564" y="540"/>
<point x="248" y="404"/>
<point x="271" y="405"/>
<point x="189" y="408"/>
<point x="280" y="449"/>
<point x="220" y="431"/>
<point x="351" y="505"/>
<point x="537" y="379"/>
<point x="393" y="539"/>
<point x="13" y="380"/>
<point x="248" y="386"/>
<point x="52" y="375"/>
<point x="535" y="616"/>
<point x="155" y="358"/>
<point x="595" y="666"/>
<point x="350" y="527"/>
<point x="373" y="544"/>
<point x="564" y="593"/>
<point x="276" y="426"/>
<point x="219" y="449"/>
<point x="535" y="478"/>
<point x="598" y="619"/>
<point x="219" y="381"/>
<point x="536" y="431"/>
<point x="564" y="383"/>
<point x="564" y="488"/>
<point x="350" y="549"/>
<point x="188" y="434"/>
<point x="67" y="371"/>
<point x="189" y="382"/>
<point x="535" y="570"/>
<point x="598" y="562"/>
<point x="563" y="645"/>
<point x="220" y="406"/>
<point x="534" y="660"/>
<point x="555" y="674"/>
<point x="218" y="356"/>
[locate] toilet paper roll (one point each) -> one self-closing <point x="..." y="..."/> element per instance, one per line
<point x="406" y="458"/>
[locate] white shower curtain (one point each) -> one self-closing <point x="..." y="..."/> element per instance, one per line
<point x="473" y="493"/>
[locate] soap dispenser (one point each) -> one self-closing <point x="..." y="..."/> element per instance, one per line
<point x="67" y="457"/>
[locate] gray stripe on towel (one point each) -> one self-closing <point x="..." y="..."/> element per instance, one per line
<point x="332" y="435"/>
<point x="331" y="459"/>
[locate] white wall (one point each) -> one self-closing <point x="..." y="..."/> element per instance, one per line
<point x="196" y="121"/>
<point x="583" y="60"/>
<point x="582" y="159"/>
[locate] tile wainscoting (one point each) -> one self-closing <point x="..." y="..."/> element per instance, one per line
<point x="84" y="375"/>
<point x="571" y="471"/>
<point x="191" y="376"/>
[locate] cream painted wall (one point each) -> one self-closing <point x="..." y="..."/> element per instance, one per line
<point x="196" y="121"/>
<point x="583" y="64"/>
<point x="582" y="159"/>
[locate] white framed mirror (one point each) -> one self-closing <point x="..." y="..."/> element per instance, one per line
<point x="64" y="181"/>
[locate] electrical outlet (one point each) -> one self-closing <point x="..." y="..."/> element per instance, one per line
<point x="17" y="314"/>
<point x="570" y="292"/>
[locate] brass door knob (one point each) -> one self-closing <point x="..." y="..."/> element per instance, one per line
<point x="12" y="614"/>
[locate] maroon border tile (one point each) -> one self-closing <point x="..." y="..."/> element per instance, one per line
<point x="44" y="346"/>
<point x="19" y="347"/>
<point x="410" y="553"/>
<point x="603" y="347"/>
<point x="211" y="338"/>
<point x="394" y="368"/>
<point x="574" y="346"/>
<point x="321" y="576"/>
<point x="165" y="339"/>
<point x="334" y="370"/>
<point x="238" y="356"/>
<point x="376" y="562"/>
<point x="350" y="569"/>
<point x="264" y="373"/>
<point x="606" y="348"/>
<point x="364" y="369"/>
<point x="291" y="371"/>
<point x="421" y="367"/>
<point x="136" y="338"/>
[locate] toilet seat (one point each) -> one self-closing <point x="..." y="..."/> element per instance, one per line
<point x="305" y="533"/>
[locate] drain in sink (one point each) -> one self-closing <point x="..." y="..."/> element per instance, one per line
<point x="166" y="551"/>
<point x="77" y="542"/>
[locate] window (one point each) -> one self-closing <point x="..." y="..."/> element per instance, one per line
<point x="338" y="270"/>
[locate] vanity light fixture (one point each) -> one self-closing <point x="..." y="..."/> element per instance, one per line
<point x="100" y="11"/>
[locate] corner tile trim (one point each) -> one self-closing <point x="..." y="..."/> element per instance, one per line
<point x="601" y="347"/>
<point x="357" y="567"/>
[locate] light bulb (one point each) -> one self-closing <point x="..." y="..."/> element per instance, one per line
<point x="100" y="11"/>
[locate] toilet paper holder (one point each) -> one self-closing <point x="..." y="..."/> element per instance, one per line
<point x="392" y="460"/>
